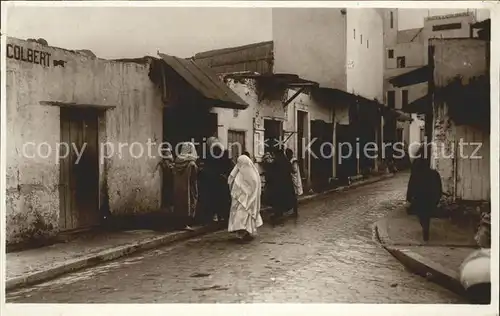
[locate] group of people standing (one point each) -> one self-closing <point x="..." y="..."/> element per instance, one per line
<point x="200" y="191"/>
<point x="283" y="181"/>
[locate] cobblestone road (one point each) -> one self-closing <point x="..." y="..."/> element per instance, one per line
<point x="327" y="255"/>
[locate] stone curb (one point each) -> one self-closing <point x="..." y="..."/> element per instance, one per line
<point x="120" y="251"/>
<point x="418" y="264"/>
<point x="105" y="255"/>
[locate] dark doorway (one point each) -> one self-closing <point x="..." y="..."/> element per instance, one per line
<point x="347" y="163"/>
<point x="183" y="124"/>
<point x="273" y="134"/>
<point x="302" y="137"/>
<point x="389" y="137"/>
<point x="322" y="160"/>
<point x="368" y="149"/>
<point x="79" y="176"/>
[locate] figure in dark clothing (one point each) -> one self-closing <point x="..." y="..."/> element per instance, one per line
<point x="215" y="199"/>
<point x="226" y="166"/>
<point x="281" y="194"/>
<point x="424" y="191"/>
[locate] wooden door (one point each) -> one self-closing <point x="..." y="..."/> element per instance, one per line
<point x="79" y="171"/>
<point x="236" y="143"/>
<point x="473" y="166"/>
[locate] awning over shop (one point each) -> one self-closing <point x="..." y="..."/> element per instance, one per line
<point x="206" y="83"/>
<point x="418" y="106"/>
<point x="403" y="117"/>
<point x="345" y="96"/>
<point x="412" y="77"/>
<point x="277" y="80"/>
<point x="397" y="114"/>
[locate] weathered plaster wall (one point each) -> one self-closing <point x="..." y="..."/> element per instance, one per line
<point x="33" y="183"/>
<point x="240" y="120"/>
<point x="311" y="42"/>
<point x="251" y="120"/>
<point x="452" y="57"/>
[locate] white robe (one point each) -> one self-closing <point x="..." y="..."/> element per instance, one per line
<point x="245" y="187"/>
<point x="297" y="179"/>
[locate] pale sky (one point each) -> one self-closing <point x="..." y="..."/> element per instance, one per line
<point x="135" y="32"/>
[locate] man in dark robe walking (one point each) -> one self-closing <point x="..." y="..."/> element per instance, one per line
<point x="424" y="190"/>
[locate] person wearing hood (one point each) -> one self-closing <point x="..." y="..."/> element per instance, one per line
<point x="424" y="190"/>
<point x="245" y="187"/>
<point x="185" y="176"/>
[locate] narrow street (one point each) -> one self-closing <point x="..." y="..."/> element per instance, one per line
<point x="327" y="255"/>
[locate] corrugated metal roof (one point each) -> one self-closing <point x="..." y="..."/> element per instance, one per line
<point x="204" y="82"/>
<point x="255" y="57"/>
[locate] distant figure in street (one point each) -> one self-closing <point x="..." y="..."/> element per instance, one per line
<point x="245" y="186"/>
<point x="246" y="153"/>
<point x="279" y="183"/>
<point x="185" y="185"/>
<point x="424" y="190"/>
<point x="297" y="180"/>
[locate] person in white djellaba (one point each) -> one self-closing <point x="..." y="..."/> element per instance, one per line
<point x="245" y="186"/>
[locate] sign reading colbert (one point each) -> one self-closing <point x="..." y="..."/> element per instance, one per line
<point x="28" y="55"/>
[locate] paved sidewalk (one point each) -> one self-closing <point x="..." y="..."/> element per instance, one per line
<point x="38" y="265"/>
<point x="440" y="258"/>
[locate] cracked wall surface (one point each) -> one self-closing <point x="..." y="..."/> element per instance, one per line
<point x="464" y="177"/>
<point x="32" y="184"/>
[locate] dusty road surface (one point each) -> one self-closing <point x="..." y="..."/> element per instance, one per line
<point x="327" y="255"/>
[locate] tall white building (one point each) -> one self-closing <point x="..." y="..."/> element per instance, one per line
<point x="338" y="48"/>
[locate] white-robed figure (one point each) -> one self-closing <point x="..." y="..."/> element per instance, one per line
<point x="245" y="185"/>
